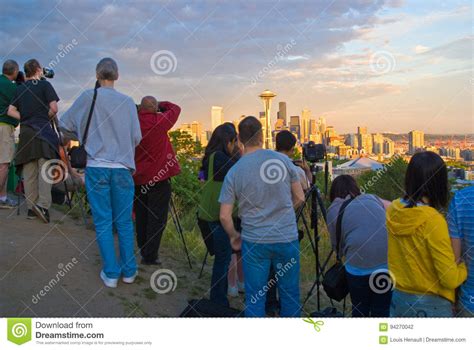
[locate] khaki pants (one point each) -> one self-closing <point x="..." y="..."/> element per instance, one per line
<point x="37" y="188"/>
<point x="7" y="143"/>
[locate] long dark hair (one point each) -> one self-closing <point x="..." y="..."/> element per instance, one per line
<point x="220" y="138"/>
<point x="343" y="186"/>
<point x="426" y="176"/>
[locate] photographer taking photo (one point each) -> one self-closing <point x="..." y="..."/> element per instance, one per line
<point x="35" y="104"/>
<point x="156" y="163"/>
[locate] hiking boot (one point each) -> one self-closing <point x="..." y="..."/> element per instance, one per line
<point x="42" y="213"/>
<point x="31" y="215"/>
<point x="8" y="204"/>
<point x="151" y="262"/>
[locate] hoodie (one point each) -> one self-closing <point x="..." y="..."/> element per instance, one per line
<point x="420" y="256"/>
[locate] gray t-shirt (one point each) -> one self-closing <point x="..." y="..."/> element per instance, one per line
<point x="260" y="183"/>
<point x="364" y="234"/>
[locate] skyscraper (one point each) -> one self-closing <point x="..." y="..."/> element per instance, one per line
<point x="217" y="117"/>
<point x="377" y="143"/>
<point x="322" y="125"/>
<point x="295" y="125"/>
<point x="282" y="112"/>
<point x="304" y="128"/>
<point x="416" y="141"/>
<point x="365" y="140"/>
<point x="388" y="147"/>
<point x="196" y="129"/>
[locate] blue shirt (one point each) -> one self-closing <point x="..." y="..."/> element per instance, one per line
<point x="261" y="184"/>
<point x="461" y="225"/>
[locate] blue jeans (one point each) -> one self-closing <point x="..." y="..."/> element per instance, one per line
<point x="110" y="194"/>
<point x="222" y="257"/>
<point x="365" y="301"/>
<point x="419" y="305"/>
<point x="285" y="259"/>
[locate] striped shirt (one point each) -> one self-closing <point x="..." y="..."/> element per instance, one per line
<point x="461" y="225"/>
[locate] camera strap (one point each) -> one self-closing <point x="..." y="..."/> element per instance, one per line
<point x="339" y="228"/>
<point x="91" y="111"/>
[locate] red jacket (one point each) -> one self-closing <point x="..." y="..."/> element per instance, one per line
<point x="155" y="159"/>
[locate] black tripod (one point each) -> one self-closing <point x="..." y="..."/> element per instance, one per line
<point x="313" y="198"/>
<point x="179" y="229"/>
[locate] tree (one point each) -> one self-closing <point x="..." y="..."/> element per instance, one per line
<point x="387" y="183"/>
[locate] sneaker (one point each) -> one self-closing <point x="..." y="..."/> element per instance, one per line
<point x="130" y="279"/>
<point x="8" y="204"/>
<point x="31" y="215"/>
<point x="42" y="213"/>
<point x="109" y="282"/>
<point x="233" y="291"/>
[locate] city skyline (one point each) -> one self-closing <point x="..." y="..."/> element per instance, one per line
<point x="392" y="65"/>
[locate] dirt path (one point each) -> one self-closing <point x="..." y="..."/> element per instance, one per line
<point x="34" y="256"/>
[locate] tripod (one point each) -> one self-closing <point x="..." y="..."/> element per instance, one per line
<point x="179" y="228"/>
<point x="313" y="198"/>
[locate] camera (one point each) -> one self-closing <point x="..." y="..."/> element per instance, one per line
<point x="313" y="152"/>
<point x="48" y="73"/>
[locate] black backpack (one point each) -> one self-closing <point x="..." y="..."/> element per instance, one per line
<point x="335" y="281"/>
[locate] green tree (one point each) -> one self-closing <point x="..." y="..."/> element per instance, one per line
<point x="186" y="186"/>
<point x="387" y="183"/>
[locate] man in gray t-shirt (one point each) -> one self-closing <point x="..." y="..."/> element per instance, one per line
<point x="266" y="187"/>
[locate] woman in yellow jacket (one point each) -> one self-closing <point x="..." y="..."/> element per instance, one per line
<point x="420" y="256"/>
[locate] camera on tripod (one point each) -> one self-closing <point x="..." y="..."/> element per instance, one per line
<point x="313" y="152"/>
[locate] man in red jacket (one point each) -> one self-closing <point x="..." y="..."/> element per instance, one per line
<point x="156" y="163"/>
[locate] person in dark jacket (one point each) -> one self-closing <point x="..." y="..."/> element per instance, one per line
<point x="156" y="163"/>
<point x="35" y="104"/>
<point x="221" y="149"/>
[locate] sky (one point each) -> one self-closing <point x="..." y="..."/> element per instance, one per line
<point x="392" y="65"/>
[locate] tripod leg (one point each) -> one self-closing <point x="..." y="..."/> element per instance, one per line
<point x="179" y="228"/>
<point x="203" y="264"/>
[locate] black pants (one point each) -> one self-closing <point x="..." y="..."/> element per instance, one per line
<point x="151" y="213"/>
<point x="367" y="301"/>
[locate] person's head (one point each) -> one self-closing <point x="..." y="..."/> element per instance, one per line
<point x="107" y="70"/>
<point x="250" y="132"/>
<point x="343" y="186"/>
<point x="149" y="104"/>
<point x="223" y="139"/>
<point x="426" y="180"/>
<point x="285" y="142"/>
<point x="10" y="69"/>
<point x="32" y="69"/>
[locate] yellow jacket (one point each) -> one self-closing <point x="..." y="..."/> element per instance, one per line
<point x="420" y="255"/>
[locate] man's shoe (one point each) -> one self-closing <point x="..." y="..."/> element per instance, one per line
<point x="151" y="262"/>
<point x="131" y="279"/>
<point x="42" y="213"/>
<point x="109" y="282"/>
<point x="8" y="204"/>
<point x="31" y="215"/>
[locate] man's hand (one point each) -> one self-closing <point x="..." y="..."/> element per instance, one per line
<point x="236" y="243"/>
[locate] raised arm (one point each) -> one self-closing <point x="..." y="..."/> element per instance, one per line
<point x="169" y="115"/>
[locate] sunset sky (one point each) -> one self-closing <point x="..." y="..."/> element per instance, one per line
<point x="388" y="65"/>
